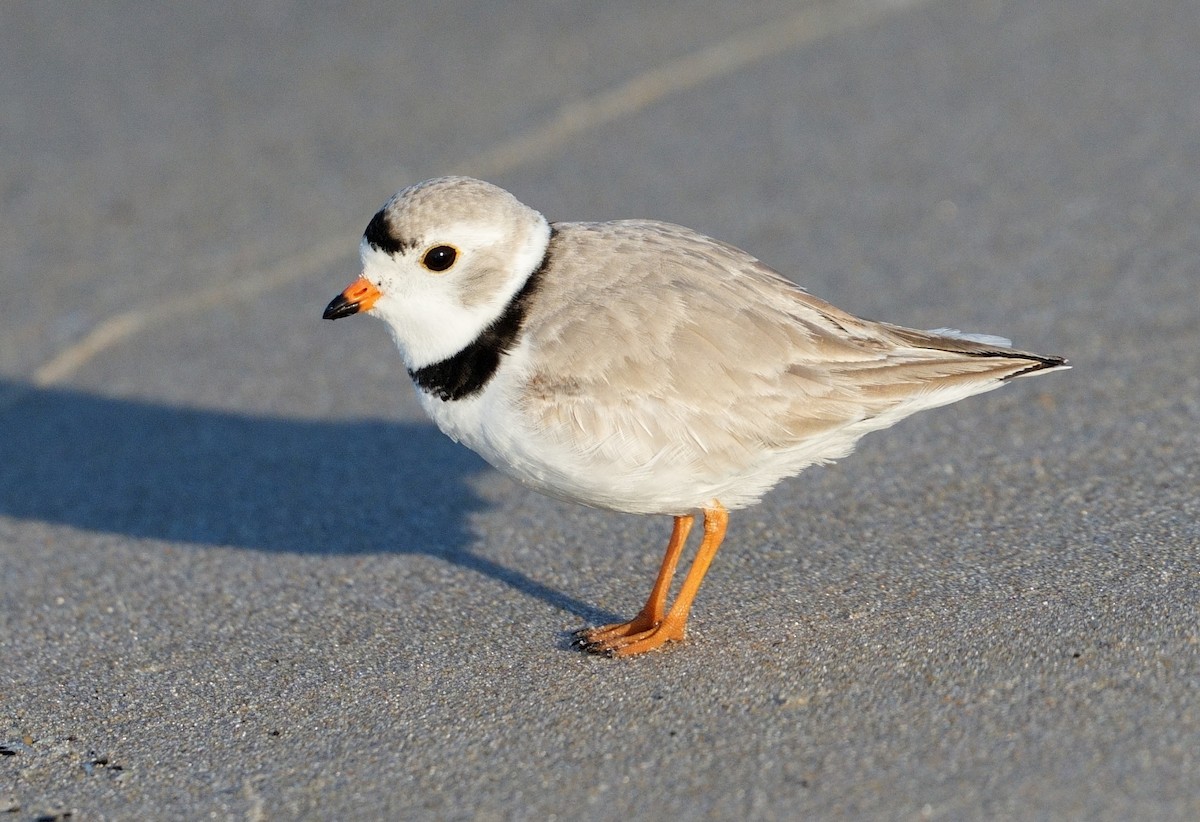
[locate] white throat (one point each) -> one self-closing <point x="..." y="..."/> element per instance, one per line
<point x="431" y="320"/>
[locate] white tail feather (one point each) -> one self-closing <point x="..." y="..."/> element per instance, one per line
<point x="982" y="339"/>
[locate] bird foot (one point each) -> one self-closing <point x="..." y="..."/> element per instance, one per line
<point x="638" y="635"/>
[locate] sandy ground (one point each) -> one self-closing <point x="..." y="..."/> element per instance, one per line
<point x="242" y="577"/>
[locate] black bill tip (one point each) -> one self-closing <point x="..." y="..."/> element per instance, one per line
<point x="340" y="307"/>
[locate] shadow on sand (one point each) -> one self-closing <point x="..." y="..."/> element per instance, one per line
<point x="262" y="483"/>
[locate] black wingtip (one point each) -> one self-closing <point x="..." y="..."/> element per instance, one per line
<point x="1040" y="363"/>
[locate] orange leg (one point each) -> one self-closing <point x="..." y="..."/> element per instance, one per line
<point x="652" y="613"/>
<point x="651" y="627"/>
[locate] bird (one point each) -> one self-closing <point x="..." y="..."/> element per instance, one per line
<point x="638" y="366"/>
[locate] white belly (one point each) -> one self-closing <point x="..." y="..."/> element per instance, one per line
<point x="490" y="423"/>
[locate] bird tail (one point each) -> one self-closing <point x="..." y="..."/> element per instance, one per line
<point x="1018" y="363"/>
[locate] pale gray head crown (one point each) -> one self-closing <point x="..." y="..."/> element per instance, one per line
<point x="449" y="200"/>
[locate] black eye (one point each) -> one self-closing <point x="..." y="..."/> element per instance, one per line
<point x="439" y="258"/>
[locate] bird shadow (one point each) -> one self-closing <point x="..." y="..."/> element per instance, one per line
<point x="146" y="470"/>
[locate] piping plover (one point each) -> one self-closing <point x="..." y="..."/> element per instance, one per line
<point x="638" y="366"/>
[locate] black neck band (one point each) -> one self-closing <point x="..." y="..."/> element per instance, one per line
<point x="467" y="372"/>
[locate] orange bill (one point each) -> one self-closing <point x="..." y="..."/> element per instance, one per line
<point x="360" y="295"/>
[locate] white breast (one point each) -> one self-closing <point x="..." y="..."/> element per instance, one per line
<point x="493" y="424"/>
